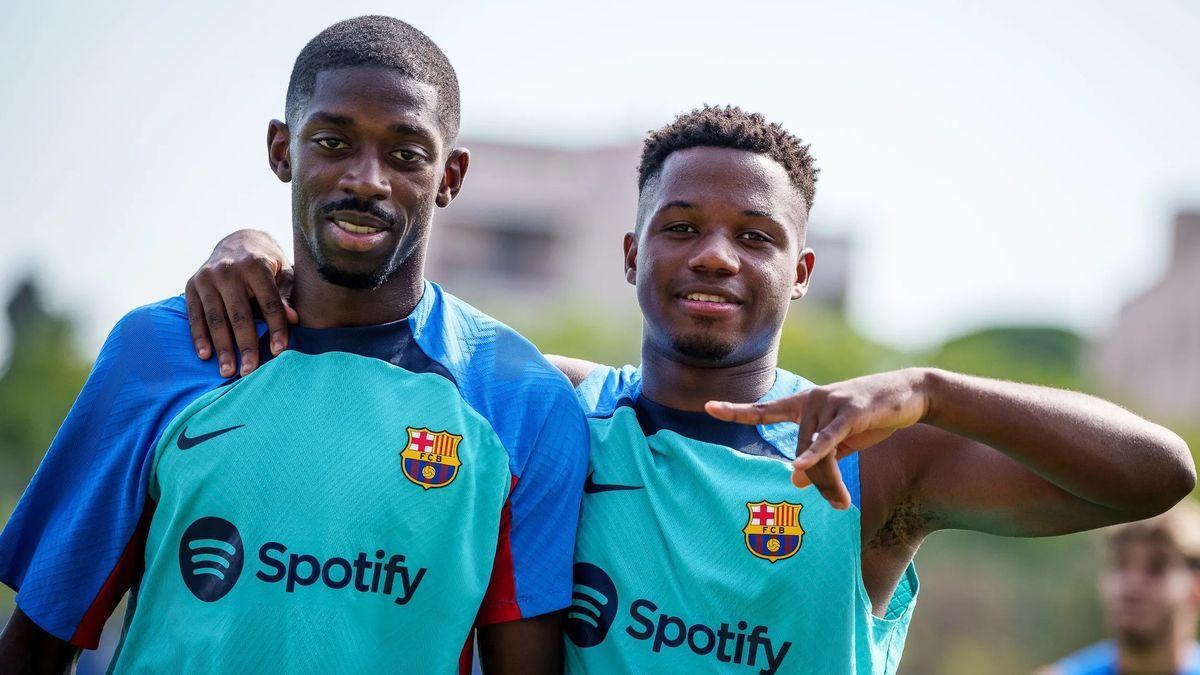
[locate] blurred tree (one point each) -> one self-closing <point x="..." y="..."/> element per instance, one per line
<point x="1032" y="354"/>
<point x="45" y="372"/>
<point x="822" y="346"/>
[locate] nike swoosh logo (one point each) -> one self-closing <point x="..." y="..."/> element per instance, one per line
<point x="186" y="443"/>
<point x="592" y="487"/>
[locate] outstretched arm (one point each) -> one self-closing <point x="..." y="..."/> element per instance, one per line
<point x="994" y="456"/>
<point x="247" y="267"/>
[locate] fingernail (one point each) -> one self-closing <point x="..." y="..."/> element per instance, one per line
<point x="226" y="369"/>
<point x="202" y="349"/>
<point x="276" y="343"/>
<point x="247" y="367"/>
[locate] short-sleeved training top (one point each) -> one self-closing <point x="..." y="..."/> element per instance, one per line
<point x="696" y="554"/>
<point x="1101" y="659"/>
<point x="357" y="503"/>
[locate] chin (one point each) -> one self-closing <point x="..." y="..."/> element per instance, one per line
<point x="359" y="281"/>
<point x="703" y="347"/>
<point x="1137" y="635"/>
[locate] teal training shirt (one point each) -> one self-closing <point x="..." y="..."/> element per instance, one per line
<point x="696" y="554"/>
<point x="357" y="504"/>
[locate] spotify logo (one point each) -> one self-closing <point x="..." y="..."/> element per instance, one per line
<point x="210" y="558"/>
<point x="593" y="606"/>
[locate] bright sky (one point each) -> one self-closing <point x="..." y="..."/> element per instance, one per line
<point x="995" y="162"/>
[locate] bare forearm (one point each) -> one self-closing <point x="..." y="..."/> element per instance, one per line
<point x="525" y="647"/>
<point x="27" y="649"/>
<point x="1090" y="448"/>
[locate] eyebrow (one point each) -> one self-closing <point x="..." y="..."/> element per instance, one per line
<point x="676" y="204"/>
<point x="330" y="118"/>
<point x="343" y="121"/>
<point x="410" y="130"/>
<point x="680" y="204"/>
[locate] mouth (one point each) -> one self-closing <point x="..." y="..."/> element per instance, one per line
<point x="708" y="303"/>
<point x="358" y="232"/>
<point x="356" y="229"/>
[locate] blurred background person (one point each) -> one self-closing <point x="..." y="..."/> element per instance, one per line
<point x="1150" y="594"/>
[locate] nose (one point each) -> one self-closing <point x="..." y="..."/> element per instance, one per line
<point x="366" y="178"/>
<point x="715" y="254"/>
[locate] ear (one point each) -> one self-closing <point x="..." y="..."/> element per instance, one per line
<point x="452" y="178"/>
<point x="804" y="267"/>
<point x="279" y="153"/>
<point x="631" y="258"/>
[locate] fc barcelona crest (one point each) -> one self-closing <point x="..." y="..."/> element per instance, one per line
<point x="773" y="531"/>
<point x="431" y="457"/>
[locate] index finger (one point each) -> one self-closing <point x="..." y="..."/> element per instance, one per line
<point x="765" y="412"/>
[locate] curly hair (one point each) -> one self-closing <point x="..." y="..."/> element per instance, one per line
<point x="730" y="127"/>
<point x="375" y="41"/>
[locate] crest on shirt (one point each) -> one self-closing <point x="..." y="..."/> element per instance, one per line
<point x="773" y="529"/>
<point x="430" y="459"/>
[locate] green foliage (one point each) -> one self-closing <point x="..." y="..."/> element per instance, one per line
<point x="820" y="345"/>
<point x="611" y="340"/>
<point x="1031" y="354"/>
<point x="45" y="372"/>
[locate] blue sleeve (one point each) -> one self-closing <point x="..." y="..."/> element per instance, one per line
<point x="1097" y="659"/>
<point x="532" y="409"/>
<point x="543" y="516"/>
<point x="604" y="386"/>
<point x="74" y="544"/>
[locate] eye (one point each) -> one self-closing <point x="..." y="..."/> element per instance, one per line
<point x="331" y="143"/>
<point x="754" y="235"/>
<point x="408" y="155"/>
<point x="680" y="227"/>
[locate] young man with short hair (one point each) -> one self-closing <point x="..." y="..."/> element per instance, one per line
<point x="407" y="470"/>
<point x="1150" y="595"/>
<point x="695" y="551"/>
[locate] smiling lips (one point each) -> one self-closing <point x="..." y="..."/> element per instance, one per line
<point x="708" y="304"/>
<point x="356" y="229"/>
<point x="359" y="236"/>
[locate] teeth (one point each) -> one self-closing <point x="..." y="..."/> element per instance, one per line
<point x="356" y="229"/>
<point x="704" y="297"/>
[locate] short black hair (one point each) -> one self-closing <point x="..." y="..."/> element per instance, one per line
<point x="730" y="127"/>
<point x="375" y="41"/>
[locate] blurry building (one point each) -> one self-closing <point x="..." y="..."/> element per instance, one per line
<point x="1152" y="357"/>
<point x="537" y="227"/>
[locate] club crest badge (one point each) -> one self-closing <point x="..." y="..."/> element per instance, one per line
<point x="431" y="457"/>
<point x="773" y="529"/>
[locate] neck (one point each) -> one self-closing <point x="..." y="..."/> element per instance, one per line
<point x="666" y="379"/>
<point x="321" y="304"/>
<point x="1167" y="655"/>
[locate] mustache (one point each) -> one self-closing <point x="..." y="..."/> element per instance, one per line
<point x="363" y="206"/>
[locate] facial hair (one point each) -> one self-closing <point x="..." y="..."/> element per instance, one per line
<point x="362" y="280"/>
<point x="703" y="346"/>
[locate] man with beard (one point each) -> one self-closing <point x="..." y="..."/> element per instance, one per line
<point x="695" y="551"/>
<point x="1150" y="593"/>
<point x="407" y="470"/>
